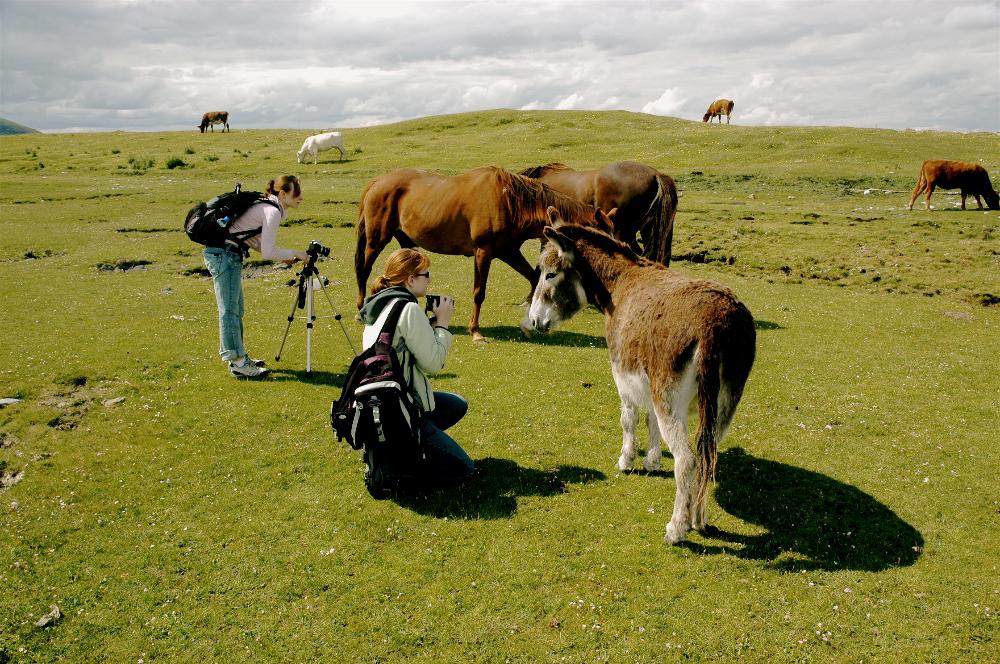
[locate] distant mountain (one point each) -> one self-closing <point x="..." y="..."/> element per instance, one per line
<point x="8" y="127"/>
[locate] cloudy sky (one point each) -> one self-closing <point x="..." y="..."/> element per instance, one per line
<point x="140" y="65"/>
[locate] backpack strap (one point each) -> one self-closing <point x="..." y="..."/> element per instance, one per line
<point x="389" y="327"/>
<point x="239" y="237"/>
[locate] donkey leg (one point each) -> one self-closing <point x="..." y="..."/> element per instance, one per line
<point x="628" y="420"/>
<point x="673" y="426"/>
<point x="653" y="453"/>
<point x="633" y="392"/>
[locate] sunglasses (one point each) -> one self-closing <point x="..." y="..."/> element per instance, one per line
<point x="423" y="274"/>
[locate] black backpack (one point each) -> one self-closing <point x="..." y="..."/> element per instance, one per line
<point x="376" y="412"/>
<point x="208" y="222"/>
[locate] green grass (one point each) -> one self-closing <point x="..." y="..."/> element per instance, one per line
<point x="202" y="519"/>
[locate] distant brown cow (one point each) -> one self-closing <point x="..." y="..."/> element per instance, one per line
<point x="971" y="178"/>
<point x="718" y="107"/>
<point x="213" y="118"/>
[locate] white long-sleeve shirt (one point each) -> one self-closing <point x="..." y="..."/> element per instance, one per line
<point x="267" y="218"/>
<point x="421" y="348"/>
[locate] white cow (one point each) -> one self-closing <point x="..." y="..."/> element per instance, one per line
<point x="315" y="144"/>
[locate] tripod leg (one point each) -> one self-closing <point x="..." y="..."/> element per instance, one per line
<point x="291" y="317"/>
<point x="309" y="325"/>
<point x="337" y="316"/>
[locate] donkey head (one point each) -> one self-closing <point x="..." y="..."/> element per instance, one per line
<point x="559" y="293"/>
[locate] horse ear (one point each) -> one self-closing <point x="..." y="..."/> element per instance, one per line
<point x="605" y="220"/>
<point x="554" y="216"/>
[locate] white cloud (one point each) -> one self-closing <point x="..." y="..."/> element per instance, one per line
<point x="152" y="64"/>
<point x="571" y="102"/>
<point x="973" y="16"/>
<point x="669" y="103"/>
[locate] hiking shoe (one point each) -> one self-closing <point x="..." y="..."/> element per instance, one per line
<point x="247" y="369"/>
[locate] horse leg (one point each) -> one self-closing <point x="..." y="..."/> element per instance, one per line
<point x="516" y="260"/>
<point x="367" y="252"/>
<point x="482" y="273"/>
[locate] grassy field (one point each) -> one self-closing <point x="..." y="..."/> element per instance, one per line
<point x="175" y="514"/>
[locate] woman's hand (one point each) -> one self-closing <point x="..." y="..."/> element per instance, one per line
<point x="443" y="310"/>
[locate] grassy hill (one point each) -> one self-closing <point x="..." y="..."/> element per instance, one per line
<point x="173" y="513"/>
<point x="8" y="127"/>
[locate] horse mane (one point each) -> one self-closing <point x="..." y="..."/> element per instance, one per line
<point x="539" y="171"/>
<point x="527" y="197"/>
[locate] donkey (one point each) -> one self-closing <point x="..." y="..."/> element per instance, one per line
<point x="671" y="339"/>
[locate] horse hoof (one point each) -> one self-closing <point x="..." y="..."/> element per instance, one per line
<point x="624" y="464"/>
<point x="650" y="466"/>
<point x="478" y="339"/>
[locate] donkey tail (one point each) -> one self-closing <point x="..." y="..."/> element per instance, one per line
<point x="659" y="226"/>
<point x="708" y="405"/>
<point x="725" y="359"/>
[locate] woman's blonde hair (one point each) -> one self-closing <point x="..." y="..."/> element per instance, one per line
<point x="286" y="183"/>
<point x="402" y="264"/>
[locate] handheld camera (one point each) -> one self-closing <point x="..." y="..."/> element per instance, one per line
<point x="432" y="301"/>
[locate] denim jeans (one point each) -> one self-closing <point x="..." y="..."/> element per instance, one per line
<point x="226" y="267"/>
<point x="446" y="460"/>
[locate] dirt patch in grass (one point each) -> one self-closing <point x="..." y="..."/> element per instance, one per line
<point x="123" y="265"/>
<point x="986" y="299"/>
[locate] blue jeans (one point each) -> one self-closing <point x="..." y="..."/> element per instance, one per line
<point x="446" y="460"/>
<point x="226" y="268"/>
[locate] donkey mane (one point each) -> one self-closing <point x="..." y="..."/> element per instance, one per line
<point x="604" y="242"/>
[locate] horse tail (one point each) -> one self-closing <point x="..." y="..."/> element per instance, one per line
<point x="658" y="226"/>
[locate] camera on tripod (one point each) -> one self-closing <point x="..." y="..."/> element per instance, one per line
<point x="316" y="249"/>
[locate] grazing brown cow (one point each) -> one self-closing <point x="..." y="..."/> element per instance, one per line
<point x="717" y="109"/>
<point x="213" y="118"/>
<point x="971" y="178"/>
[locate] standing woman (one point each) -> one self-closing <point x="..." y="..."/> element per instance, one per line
<point x="421" y="348"/>
<point x="225" y="264"/>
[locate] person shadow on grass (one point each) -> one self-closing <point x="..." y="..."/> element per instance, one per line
<point x="492" y="493"/>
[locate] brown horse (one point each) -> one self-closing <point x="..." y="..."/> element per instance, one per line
<point x="486" y="213"/>
<point x="646" y="200"/>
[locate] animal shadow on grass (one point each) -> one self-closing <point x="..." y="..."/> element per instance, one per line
<point x="493" y="492"/>
<point x="556" y="338"/>
<point x="825" y="524"/>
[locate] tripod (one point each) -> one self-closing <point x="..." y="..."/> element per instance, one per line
<point x="309" y="280"/>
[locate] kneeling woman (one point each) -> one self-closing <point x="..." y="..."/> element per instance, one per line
<point x="421" y="348"/>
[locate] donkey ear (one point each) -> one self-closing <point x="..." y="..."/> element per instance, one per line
<point x="559" y="240"/>
<point x="554" y="216"/>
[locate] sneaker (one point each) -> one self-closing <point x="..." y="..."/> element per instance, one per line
<point x="247" y="369"/>
<point x="256" y="363"/>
